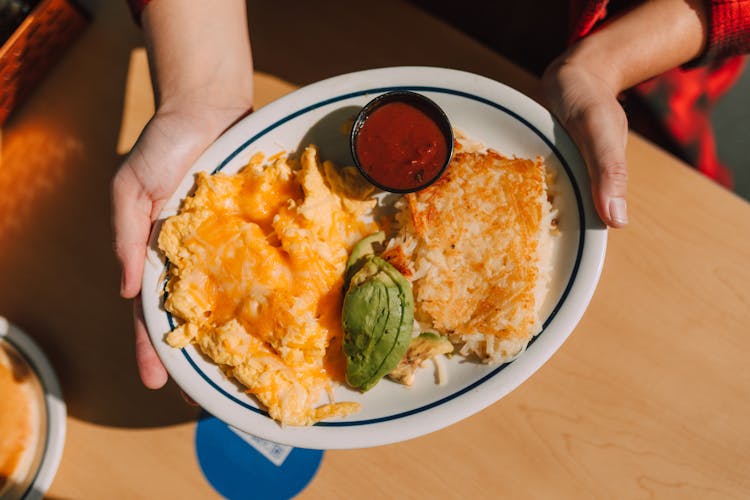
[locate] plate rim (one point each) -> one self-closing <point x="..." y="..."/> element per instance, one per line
<point x="54" y="403"/>
<point x="593" y="250"/>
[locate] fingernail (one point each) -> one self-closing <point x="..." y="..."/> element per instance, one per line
<point x="618" y="211"/>
<point x="122" y="284"/>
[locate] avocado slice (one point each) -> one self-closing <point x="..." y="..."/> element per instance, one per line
<point x="365" y="246"/>
<point x="378" y="318"/>
<point x="426" y="346"/>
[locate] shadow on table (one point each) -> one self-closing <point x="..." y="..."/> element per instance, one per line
<point x="304" y="42"/>
<point x="60" y="279"/>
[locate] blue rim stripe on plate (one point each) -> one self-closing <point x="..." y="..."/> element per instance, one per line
<point x="46" y="410"/>
<point x="571" y="280"/>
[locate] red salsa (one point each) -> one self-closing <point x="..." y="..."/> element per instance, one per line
<point x="399" y="146"/>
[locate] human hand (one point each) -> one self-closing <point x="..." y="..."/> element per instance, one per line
<point x="587" y="107"/>
<point x="171" y="142"/>
<point x="581" y="86"/>
<point x="202" y="74"/>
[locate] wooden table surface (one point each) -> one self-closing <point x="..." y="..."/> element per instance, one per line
<point x="649" y="397"/>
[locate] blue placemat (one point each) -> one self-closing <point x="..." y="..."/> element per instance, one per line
<point x="241" y="466"/>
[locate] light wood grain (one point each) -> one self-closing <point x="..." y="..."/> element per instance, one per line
<point x="137" y="463"/>
<point x="649" y="398"/>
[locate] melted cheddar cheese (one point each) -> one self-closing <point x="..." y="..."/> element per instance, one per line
<point x="256" y="267"/>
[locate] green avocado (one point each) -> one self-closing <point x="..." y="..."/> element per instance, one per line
<point x="378" y="317"/>
<point x="365" y="246"/>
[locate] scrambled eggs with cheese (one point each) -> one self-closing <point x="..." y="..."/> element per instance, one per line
<point x="256" y="267"/>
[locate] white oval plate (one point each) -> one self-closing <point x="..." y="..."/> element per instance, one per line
<point x="54" y="412"/>
<point x="484" y="110"/>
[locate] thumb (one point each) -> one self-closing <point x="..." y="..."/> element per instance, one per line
<point x="601" y="134"/>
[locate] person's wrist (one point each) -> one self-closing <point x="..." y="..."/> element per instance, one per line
<point x="593" y="58"/>
<point x="210" y="109"/>
<point x="221" y="90"/>
<point x="199" y="102"/>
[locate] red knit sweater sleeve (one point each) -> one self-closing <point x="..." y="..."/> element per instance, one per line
<point x="729" y="28"/>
